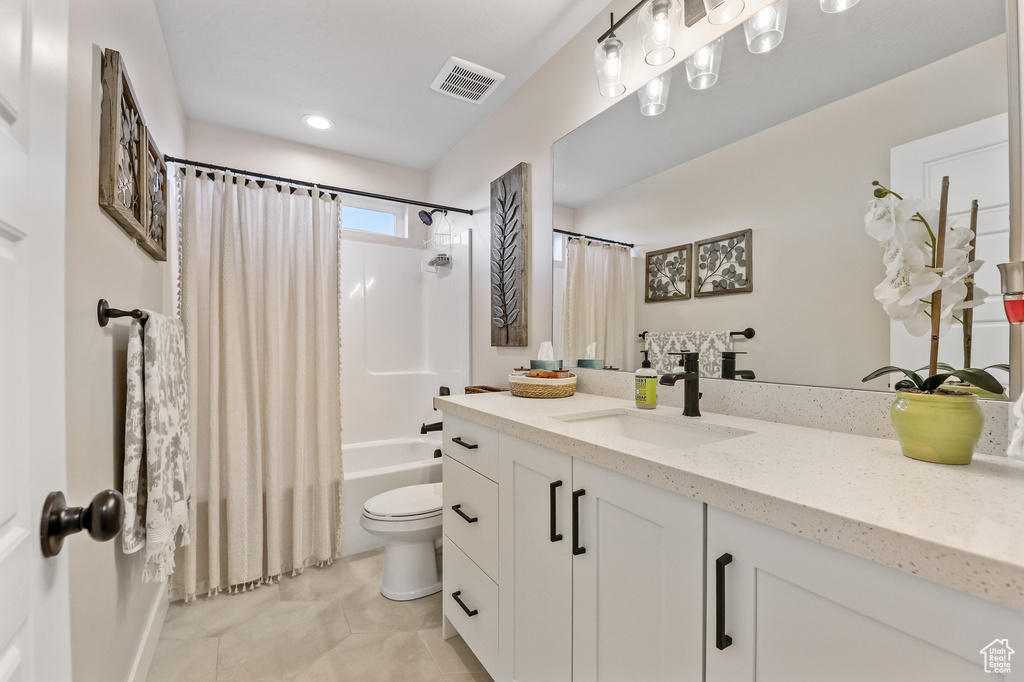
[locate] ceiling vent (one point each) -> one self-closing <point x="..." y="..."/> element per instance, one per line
<point x="466" y="81"/>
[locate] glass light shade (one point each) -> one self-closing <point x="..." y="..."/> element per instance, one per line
<point x="654" y="95"/>
<point x="764" y="30"/>
<point x="724" y="11"/>
<point x="612" y="61"/>
<point x="657" y="20"/>
<point x="702" y="66"/>
<point x="833" y="6"/>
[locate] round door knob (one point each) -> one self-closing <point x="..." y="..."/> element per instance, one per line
<point x="102" y="518"/>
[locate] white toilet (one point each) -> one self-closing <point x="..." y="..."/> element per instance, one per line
<point x="409" y="521"/>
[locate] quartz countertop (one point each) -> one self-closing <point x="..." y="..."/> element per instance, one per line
<point x="961" y="526"/>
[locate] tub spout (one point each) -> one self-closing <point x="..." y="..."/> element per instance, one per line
<point x="427" y="428"/>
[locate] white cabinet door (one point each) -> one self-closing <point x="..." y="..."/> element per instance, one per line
<point x="638" y="587"/>
<point x="798" y="611"/>
<point x="535" y="562"/>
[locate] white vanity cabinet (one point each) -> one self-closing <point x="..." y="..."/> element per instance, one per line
<point x="602" y="575"/>
<point x="798" y="611"/>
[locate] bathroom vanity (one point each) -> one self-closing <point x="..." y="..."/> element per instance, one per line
<point x="589" y="540"/>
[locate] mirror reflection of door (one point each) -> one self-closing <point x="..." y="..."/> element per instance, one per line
<point x="974" y="156"/>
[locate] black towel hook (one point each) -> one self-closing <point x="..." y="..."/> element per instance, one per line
<point x="104" y="312"/>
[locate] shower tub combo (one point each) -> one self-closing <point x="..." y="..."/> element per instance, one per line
<point x="374" y="467"/>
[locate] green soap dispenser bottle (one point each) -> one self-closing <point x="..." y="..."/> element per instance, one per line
<point x="646" y="385"/>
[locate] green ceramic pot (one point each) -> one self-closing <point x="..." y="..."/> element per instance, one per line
<point x="935" y="427"/>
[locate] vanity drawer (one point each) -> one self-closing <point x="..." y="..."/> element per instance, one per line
<point x="478" y="593"/>
<point x="474" y="445"/>
<point x="477" y="498"/>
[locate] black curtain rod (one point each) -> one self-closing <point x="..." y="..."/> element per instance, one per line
<point x="327" y="188"/>
<point x="593" y="239"/>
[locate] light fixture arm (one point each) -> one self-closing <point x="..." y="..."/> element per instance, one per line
<point x="616" y="24"/>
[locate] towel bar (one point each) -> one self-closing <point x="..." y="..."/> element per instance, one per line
<point x="104" y="312"/>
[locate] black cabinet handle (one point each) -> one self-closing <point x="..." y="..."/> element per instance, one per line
<point x="455" y="596"/>
<point x="576" y="495"/>
<point x="722" y="640"/>
<point x="555" y="536"/>
<point x="457" y="508"/>
<point x="468" y="446"/>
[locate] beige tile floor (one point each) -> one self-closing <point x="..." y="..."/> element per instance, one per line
<point x="329" y="624"/>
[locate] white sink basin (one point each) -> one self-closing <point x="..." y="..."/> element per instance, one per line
<point x="667" y="432"/>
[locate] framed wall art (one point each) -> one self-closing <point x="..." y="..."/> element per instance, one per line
<point x="668" y="274"/>
<point x="132" y="171"/>
<point x="510" y="231"/>
<point x="724" y="265"/>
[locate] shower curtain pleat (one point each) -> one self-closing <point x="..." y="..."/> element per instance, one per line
<point x="260" y="307"/>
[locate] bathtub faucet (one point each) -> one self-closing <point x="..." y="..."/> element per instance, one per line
<point x="427" y="428"/>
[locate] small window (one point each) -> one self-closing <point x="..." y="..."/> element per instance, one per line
<point x="377" y="217"/>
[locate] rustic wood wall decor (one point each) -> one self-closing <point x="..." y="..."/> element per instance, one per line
<point x="668" y="274"/>
<point x="510" y="232"/>
<point x="724" y="265"/>
<point x="132" y="171"/>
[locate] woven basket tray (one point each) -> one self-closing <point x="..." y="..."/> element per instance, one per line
<point x="536" y="387"/>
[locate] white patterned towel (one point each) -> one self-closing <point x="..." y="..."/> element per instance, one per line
<point x="157" y="455"/>
<point x="709" y="344"/>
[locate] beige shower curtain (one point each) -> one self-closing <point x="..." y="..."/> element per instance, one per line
<point x="260" y="302"/>
<point x="598" y="302"/>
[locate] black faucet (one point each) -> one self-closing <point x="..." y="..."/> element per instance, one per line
<point x="427" y="428"/>
<point x="691" y="381"/>
<point x="729" y="370"/>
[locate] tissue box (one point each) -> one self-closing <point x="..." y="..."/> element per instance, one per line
<point x="549" y="365"/>
<point x="592" y="363"/>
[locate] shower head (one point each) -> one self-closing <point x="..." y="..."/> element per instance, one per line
<point x="428" y="218"/>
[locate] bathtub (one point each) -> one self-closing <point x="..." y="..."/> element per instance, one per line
<point x="375" y="467"/>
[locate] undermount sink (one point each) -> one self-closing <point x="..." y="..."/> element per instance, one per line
<point x="653" y="429"/>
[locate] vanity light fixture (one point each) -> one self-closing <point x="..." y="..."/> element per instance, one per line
<point x="657" y="19"/>
<point x="833" y="6"/>
<point x="724" y="11"/>
<point x="764" y="30"/>
<point x="612" y="61"/>
<point x="654" y="95"/>
<point x="702" y="66"/>
<point x="318" y="122"/>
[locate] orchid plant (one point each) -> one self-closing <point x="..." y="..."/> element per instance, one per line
<point x="917" y="278"/>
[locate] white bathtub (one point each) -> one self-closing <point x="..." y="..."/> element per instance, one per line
<point x="377" y="466"/>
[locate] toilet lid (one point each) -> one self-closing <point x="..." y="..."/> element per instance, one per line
<point x="413" y="500"/>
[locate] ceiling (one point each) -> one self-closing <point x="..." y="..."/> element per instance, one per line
<point x="260" y="65"/>
<point x="822" y="59"/>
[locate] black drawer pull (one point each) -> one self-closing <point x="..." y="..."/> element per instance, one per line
<point x="455" y="596"/>
<point x="468" y="446"/>
<point x="555" y="536"/>
<point x="722" y="640"/>
<point x="576" y="495"/>
<point x="457" y="508"/>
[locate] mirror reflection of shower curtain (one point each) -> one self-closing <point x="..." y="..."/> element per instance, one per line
<point x="598" y="302"/>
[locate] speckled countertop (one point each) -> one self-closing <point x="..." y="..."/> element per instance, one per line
<point x="961" y="526"/>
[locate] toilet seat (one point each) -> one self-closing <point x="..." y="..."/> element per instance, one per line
<point x="410" y="503"/>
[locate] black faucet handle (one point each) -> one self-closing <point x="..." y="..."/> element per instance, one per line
<point x="682" y="355"/>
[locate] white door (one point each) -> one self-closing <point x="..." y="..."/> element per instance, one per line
<point x="535" y="563"/>
<point x="35" y="639"/>
<point x="638" y="590"/>
<point x="976" y="159"/>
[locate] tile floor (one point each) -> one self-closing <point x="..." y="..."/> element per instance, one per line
<point x="326" y="625"/>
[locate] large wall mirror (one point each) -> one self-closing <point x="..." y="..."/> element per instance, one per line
<point x="786" y="144"/>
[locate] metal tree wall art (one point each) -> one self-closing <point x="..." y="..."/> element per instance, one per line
<point x="510" y="211"/>
<point x="724" y="265"/>
<point x="668" y="274"/>
<point x="133" y="187"/>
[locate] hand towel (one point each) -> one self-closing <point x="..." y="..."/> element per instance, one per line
<point x="157" y="451"/>
<point x="708" y="344"/>
<point x="1016" y="448"/>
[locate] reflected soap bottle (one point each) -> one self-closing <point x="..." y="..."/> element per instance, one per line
<point x="646" y="385"/>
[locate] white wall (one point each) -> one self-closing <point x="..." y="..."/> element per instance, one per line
<point x="560" y="96"/>
<point x="110" y="606"/>
<point x="803" y="187"/>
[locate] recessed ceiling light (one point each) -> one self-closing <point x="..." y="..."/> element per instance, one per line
<point x="318" y="122"/>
